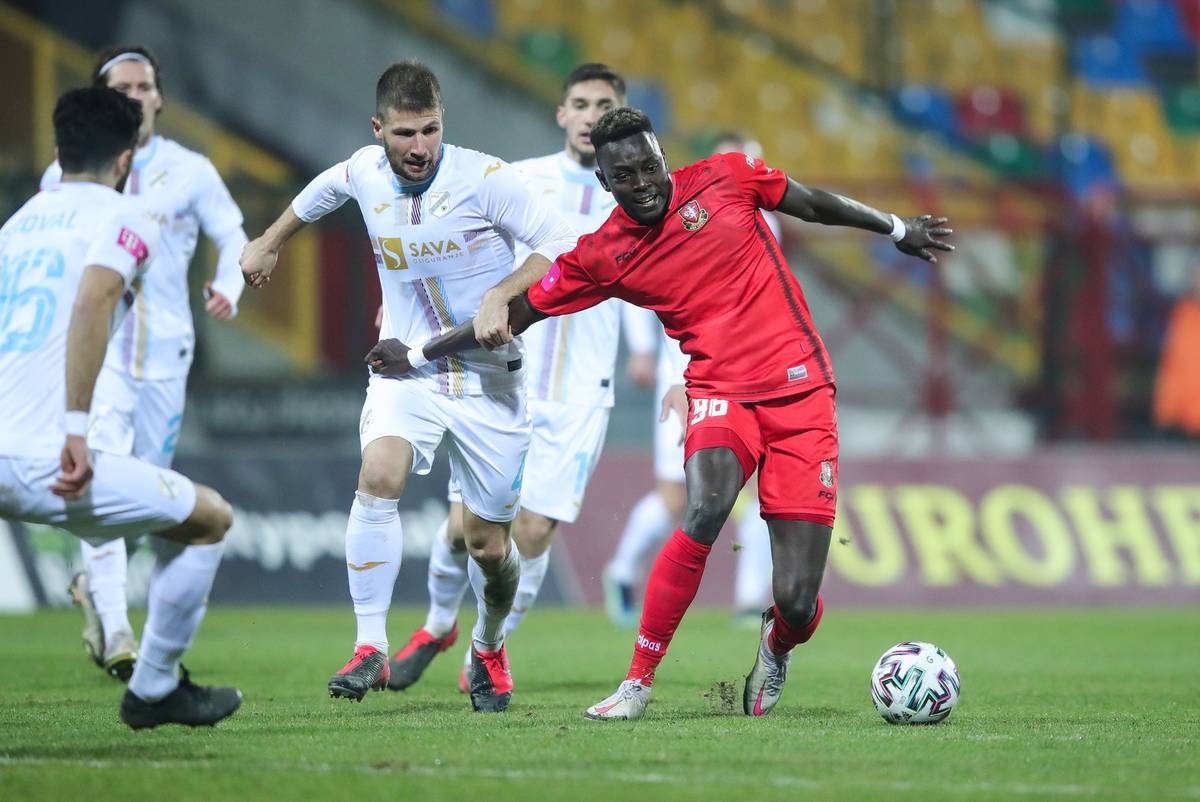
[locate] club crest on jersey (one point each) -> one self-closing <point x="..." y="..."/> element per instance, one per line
<point x="826" y="476"/>
<point x="439" y="203"/>
<point x="694" y="215"/>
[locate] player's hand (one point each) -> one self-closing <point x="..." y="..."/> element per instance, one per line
<point x="388" y="358"/>
<point x="676" y="401"/>
<point x="379" y="318"/>
<point x="258" y="262"/>
<point x="642" y="369"/>
<point x="491" y="321"/>
<point x="76" y="474"/>
<point x="923" y="234"/>
<point x="216" y="304"/>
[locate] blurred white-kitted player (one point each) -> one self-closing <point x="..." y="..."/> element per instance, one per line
<point x="569" y="365"/>
<point x="139" y="400"/>
<point x="71" y="259"/>
<point x="442" y="222"/>
<point x="655" y="515"/>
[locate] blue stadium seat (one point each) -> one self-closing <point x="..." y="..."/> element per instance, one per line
<point x="477" y="16"/>
<point x="1101" y="60"/>
<point x="928" y="107"/>
<point x="651" y="97"/>
<point x="1152" y="26"/>
<point x="1083" y="164"/>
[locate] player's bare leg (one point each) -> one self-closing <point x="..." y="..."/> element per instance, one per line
<point x="714" y="479"/>
<point x="494" y="570"/>
<point x="799" y="550"/>
<point x="447" y="581"/>
<point x="650" y="523"/>
<point x="374" y="545"/>
<point x="188" y="557"/>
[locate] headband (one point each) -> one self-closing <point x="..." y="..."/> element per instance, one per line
<point x="117" y="59"/>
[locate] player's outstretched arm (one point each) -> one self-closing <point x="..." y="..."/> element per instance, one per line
<point x="917" y="236"/>
<point x="492" y="322"/>
<point x="260" y="255"/>
<point x="394" y="358"/>
<point x="87" y="341"/>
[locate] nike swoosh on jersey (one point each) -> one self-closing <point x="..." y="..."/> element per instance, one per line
<point x="367" y="566"/>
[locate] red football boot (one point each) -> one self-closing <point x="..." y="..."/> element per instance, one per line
<point x="367" y="670"/>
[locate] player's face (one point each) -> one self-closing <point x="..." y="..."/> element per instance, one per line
<point x="584" y="105"/>
<point x="412" y="141"/>
<point x="634" y="171"/>
<point x="135" y="80"/>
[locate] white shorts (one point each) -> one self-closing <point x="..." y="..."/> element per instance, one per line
<point x="668" y="450"/>
<point x="127" y="497"/>
<point x="566" y="445"/>
<point x="137" y="417"/>
<point x="488" y="438"/>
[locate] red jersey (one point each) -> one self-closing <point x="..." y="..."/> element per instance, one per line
<point x="714" y="275"/>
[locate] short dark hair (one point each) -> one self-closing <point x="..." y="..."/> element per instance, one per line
<point x="92" y="126"/>
<point x="618" y="124"/>
<point x="408" y="86"/>
<point x="110" y="53"/>
<point x="594" y="71"/>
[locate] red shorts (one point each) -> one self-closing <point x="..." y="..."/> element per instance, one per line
<point x="791" y="441"/>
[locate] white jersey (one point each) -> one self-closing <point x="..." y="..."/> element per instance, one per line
<point x="439" y="247"/>
<point x="44" y="249"/>
<point x="570" y="359"/>
<point x="183" y="191"/>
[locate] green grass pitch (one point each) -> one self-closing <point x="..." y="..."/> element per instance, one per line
<point x="1056" y="705"/>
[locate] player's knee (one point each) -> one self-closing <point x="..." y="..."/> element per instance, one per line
<point x="533" y="534"/>
<point x="488" y="552"/>
<point x="214" y="514"/>
<point x="380" y="478"/>
<point x="706" y="514"/>
<point x="795" y="602"/>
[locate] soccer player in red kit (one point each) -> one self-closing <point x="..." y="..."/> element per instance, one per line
<point x="692" y="246"/>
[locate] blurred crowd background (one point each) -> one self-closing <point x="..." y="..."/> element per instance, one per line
<point x="1062" y="138"/>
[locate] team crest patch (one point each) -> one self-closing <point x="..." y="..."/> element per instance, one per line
<point x="439" y="203"/>
<point x="826" y="473"/>
<point x="694" y="215"/>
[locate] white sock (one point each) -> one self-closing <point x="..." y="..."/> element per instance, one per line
<point x="178" y="595"/>
<point x="648" y="524"/>
<point x="752" y="588"/>
<point x="533" y="573"/>
<point x="105" y="567"/>
<point x="447" y="584"/>
<point x="494" y="592"/>
<point x="374" y="545"/>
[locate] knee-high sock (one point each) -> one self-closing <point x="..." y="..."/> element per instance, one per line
<point x="494" y="591"/>
<point x="447" y="583"/>
<point x="649" y="522"/>
<point x="752" y="588"/>
<point x="106" y="567"/>
<point x="784" y="636"/>
<point x="533" y="573"/>
<point x="673" y="583"/>
<point x="374" y="544"/>
<point x="178" y="596"/>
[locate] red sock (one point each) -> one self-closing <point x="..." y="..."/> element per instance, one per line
<point x="674" y="580"/>
<point x="784" y="637"/>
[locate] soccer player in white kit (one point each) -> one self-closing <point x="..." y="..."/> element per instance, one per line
<point x="569" y="366"/>
<point x="139" y="399"/>
<point x="70" y="261"/>
<point x="658" y="512"/>
<point x="442" y="222"/>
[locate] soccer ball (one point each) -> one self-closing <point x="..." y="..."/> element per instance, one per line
<point x="914" y="683"/>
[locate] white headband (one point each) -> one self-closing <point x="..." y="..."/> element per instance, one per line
<point x="117" y="59"/>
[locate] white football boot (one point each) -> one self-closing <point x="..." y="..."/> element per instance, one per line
<point x="764" y="683"/>
<point x="628" y="703"/>
<point x="93" y="632"/>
